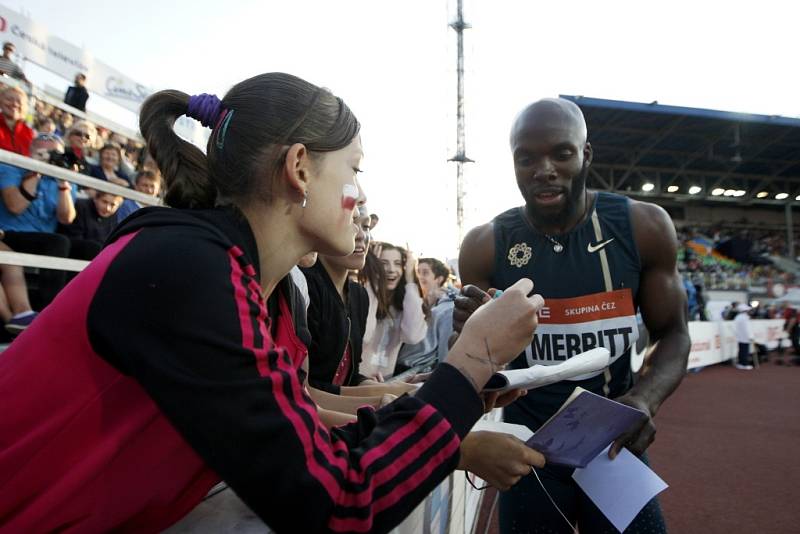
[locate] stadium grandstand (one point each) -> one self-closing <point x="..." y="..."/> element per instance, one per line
<point x="730" y="182"/>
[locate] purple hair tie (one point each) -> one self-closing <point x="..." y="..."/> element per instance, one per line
<point x="205" y="108"/>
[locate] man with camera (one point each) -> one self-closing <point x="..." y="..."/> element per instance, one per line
<point x="31" y="208"/>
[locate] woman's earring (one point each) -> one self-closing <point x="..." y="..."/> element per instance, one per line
<point x="305" y="199"/>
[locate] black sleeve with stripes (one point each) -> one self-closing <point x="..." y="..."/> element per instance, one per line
<point x="177" y="310"/>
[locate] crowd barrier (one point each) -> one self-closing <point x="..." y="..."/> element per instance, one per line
<point x="715" y="342"/>
<point x="50" y="262"/>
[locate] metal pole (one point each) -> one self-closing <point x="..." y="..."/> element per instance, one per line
<point x="789" y="231"/>
<point x="460" y="157"/>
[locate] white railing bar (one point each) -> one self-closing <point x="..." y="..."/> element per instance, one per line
<point x="42" y="262"/>
<point x="31" y="164"/>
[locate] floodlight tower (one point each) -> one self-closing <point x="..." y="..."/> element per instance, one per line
<point x="460" y="158"/>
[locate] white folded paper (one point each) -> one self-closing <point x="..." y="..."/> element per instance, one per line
<point x="620" y="488"/>
<point x="543" y="375"/>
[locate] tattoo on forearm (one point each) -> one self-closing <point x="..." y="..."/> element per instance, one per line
<point x="487" y="360"/>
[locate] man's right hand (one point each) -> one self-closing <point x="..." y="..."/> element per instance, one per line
<point x="470" y="299"/>
<point x="496" y="333"/>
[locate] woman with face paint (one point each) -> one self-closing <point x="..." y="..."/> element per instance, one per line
<point x="122" y="417"/>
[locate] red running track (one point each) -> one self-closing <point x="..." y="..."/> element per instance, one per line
<point x="728" y="445"/>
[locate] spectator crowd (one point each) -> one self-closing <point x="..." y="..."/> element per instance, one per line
<point x="47" y="216"/>
<point x="713" y="258"/>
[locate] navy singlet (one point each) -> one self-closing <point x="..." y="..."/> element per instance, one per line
<point x="590" y="290"/>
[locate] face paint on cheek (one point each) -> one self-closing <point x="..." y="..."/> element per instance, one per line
<point x="349" y="196"/>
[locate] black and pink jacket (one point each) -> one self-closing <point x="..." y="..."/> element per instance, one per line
<point x="159" y="370"/>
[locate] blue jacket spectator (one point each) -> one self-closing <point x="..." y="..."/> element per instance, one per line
<point x="31" y="208"/>
<point x="41" y="213"/>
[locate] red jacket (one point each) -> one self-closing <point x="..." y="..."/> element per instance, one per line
<point x="18" y="140"/>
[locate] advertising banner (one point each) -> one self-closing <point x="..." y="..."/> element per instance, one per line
<point x="35" y="44"/>
<point x="714" y="342"/>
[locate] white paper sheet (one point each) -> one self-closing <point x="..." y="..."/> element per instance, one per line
<point x="542" y="375"/>
<point x="620" y="488"/>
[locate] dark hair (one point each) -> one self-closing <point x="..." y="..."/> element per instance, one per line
<point x="270" y="112"/>
<point x="399" y="293"/>
<point x="439" y="268"/>
<point x="373" y="274"/>
<point x="112" y="146"/>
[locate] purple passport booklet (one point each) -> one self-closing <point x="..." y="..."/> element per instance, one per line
<point x="585" y="424"/>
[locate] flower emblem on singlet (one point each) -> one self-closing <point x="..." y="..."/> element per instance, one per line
<point x="520" y="254"/>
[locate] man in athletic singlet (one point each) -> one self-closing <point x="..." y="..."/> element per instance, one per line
<point x="597" y="258"/>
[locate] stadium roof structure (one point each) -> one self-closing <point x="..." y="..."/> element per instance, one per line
<point x="657" y="151"/>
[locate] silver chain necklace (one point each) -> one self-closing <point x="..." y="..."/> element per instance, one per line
<point x="558" y="248"/>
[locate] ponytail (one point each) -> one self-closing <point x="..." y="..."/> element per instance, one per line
<point x="183" y="166"/>
<point x="251" y="128"/>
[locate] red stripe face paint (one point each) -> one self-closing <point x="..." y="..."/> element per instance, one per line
<point x="349" y="196"/>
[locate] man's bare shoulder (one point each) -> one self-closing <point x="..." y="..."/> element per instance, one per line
<point x="479" y="237"/>
<point x="476" y="257"/>
<point x="654" y="231"/>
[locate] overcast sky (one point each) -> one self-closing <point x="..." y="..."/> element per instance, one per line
<point x="394" y="64"/>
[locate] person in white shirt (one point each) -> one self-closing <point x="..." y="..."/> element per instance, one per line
<point x="396" y="319"/>
<point x="741" y="329"/>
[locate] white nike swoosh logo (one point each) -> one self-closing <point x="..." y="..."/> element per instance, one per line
<point x="595" y="248"/>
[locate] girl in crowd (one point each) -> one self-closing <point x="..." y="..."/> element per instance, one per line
<point x="172" y="361"/>
<point x="396" y="314"/>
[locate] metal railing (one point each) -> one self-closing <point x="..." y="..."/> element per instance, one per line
<point x="53" y="262"/>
